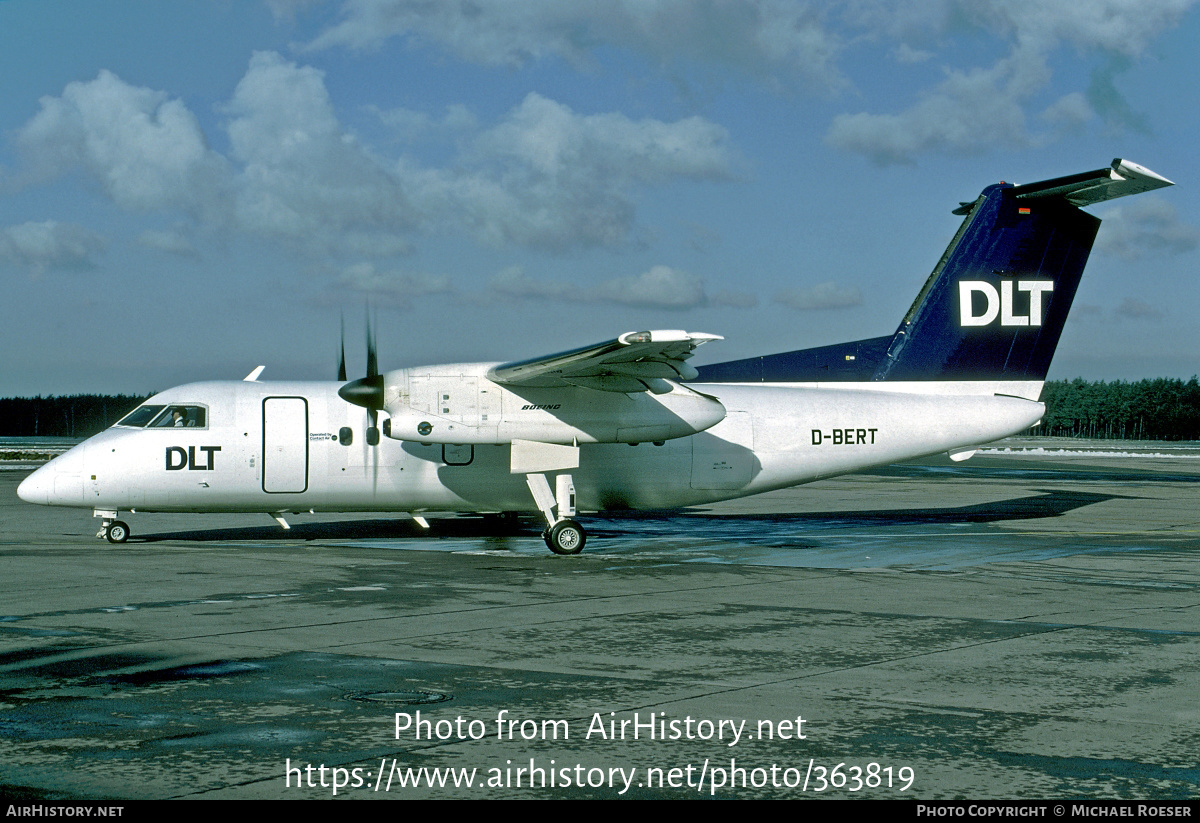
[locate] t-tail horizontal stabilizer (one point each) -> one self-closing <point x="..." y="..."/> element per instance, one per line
<point x="995" y="305"/>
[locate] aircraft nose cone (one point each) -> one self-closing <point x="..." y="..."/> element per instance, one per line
<point x="36" y="487"/>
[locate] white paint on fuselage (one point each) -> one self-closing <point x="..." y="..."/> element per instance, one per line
<point x="774" y="437"/>
<point x="1028" y="389"/>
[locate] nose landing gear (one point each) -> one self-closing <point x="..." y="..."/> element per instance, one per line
<point x="111" y="529"/>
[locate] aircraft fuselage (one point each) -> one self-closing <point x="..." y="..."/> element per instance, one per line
<point x="283" y="446"/>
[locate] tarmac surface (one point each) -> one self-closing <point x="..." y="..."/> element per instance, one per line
<point x="1021" y="625"/>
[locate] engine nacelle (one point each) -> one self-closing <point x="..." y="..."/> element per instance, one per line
<point x="459" y="405"/>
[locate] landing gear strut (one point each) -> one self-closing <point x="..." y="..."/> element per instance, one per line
<point x="111" y="529"/>
<point x="563" y="535"/>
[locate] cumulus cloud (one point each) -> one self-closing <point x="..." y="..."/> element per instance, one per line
<point x="1113" y="26"/>
<point x="145" y="150"/>
<point x="660" y="287"/>
<point x="548" y="177"/>
<point x="302" y="176"/>
<point x="550" y="140"/>
<point x="293" y="172"/>
<point x="391" y="287"/>
<point x="1116" y="26"/>
<point x="50" y="245"/>
<point x="797" y="45"/>
<point x="827" y="295"/>
<point x="981" y="108"/>
<point x="1068" y="112"/>
<point x="543" y="176"/>
<point x="780" y="40"/>
<point x="1143" y="227"/>
<point x="967" y="113"/>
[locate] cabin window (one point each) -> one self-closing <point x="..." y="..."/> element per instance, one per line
<point x="346" y="435"/>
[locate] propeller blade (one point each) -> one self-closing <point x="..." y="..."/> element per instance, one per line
<point x="365" y="391"/>
<point x="373" y="440"/>
<point x="373" y="429"/>
<point x="372" y="357"/>
<point x="342" y="359"/>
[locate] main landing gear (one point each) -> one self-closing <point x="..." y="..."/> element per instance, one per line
<point x="563" y="535"/>
<point x="111" y="529"/>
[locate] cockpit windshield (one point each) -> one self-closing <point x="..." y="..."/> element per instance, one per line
<point x="165" y="417"/>
<point x="139" y="417"/>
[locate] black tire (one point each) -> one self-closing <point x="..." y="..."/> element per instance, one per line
<point x="118" y="532"/>
<point x="566" y="537"/>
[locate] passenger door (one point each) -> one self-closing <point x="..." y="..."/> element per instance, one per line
<point x="285" y="445"/>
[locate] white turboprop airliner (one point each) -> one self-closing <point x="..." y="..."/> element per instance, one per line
<point x="627" y="423"/>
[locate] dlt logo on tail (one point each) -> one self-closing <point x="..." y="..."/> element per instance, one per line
<point x="1000" y="303"/>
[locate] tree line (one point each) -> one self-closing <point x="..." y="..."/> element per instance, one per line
<point x="1158" y="409"/>
<point x="79" y="415"/>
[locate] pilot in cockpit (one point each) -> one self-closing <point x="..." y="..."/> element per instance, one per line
<point x="179" y="417"/>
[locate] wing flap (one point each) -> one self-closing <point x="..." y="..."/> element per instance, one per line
<point x="633" y="362"/>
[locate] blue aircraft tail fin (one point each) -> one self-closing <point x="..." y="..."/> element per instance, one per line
<point x="994" y="306"/>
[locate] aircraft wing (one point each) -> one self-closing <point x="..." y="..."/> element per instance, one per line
<point x="634" y="362"/>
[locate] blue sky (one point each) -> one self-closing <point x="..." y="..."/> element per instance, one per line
<point x="188" y="190"/>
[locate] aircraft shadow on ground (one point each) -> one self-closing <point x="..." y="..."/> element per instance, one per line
<point x="1044" y="504"/>
<point x="374" y="529"/>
